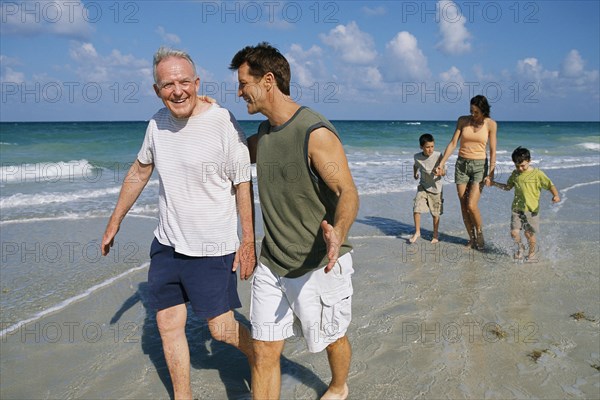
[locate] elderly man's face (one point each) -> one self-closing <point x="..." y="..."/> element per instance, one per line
<point x="177" y="86"/>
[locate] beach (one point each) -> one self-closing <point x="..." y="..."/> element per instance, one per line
<point x="429" y="320"/>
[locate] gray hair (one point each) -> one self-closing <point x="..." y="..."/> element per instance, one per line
<point x="166" y="52"/>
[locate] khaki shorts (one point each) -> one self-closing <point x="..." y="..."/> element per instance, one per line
<point x="470" y="171"/>
<point x="525" y="220"/>
<point x="428" y="202"/>
<point x="315" y="305"/>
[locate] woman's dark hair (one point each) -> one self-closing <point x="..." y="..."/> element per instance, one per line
<point x="481" y="102"/>
<point x="264" y="58"/>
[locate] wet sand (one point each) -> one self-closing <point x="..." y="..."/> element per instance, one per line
<point x="429" y="321"/>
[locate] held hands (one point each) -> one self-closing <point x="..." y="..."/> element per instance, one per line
<point x="439" y="171"/>
<point x="333" y="242"/>
<point x="246" y="258"/>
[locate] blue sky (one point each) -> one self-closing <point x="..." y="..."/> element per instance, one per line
<point x="399" y="60"/>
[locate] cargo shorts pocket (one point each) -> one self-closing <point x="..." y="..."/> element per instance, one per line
<point x="336" y="312"/>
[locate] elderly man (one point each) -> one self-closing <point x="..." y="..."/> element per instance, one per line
<point x="202" y="160"/>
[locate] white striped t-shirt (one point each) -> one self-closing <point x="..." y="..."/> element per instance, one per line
<point x="198" y="160"/>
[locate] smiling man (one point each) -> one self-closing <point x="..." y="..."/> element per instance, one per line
<point x="202" y="160"/>
<point x="309" y="202"/>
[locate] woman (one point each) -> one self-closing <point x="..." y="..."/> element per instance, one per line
<point x="474" y="132"/>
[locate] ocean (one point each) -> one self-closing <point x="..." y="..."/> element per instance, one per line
<point x="428" y="320"/>
<point x="61" y="175"/>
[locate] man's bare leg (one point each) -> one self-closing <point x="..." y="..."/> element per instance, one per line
<point x="225" y="328"/>
<point x="339" y="354"/>
<point x="171" y="325"/>
<point x="266" y="371"/>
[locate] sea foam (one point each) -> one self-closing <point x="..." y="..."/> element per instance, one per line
<point x="48" y="172"/>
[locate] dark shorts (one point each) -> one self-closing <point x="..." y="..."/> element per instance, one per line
<point x="470" y="171"/>
<point x="208" y="283"/>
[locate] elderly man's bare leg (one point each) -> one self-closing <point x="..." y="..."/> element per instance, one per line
<point x="171" y="325"/>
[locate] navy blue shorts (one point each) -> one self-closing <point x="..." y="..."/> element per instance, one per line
<point x="208" y="283"/>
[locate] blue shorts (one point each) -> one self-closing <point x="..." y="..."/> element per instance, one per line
<point x="208" y="283"/>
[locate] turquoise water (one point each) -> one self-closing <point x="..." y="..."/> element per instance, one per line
<point x="59" y="183"/>
<point x="75" y="169"/>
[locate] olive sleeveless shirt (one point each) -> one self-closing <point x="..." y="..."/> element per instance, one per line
<point x="294" y="199"/>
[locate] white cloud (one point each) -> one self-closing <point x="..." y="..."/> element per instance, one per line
<point x="531" y="68"/>
<point x="373" y="77"/>
<point x="9" y="75"/>
<point x="455" y="36"/>
<point x="573" y="65"/>
<point x="84" y="52"/>
<point x="166" y="37"/>
<point x="406" y="59"/>
<point x="481" y="75"/>
<point x="94" y="67"/>
<point x="46" y="17"/>
<point x="6" y="61"/>
<point x="573" y="77"/>
<point x="306" y="66"/>
<point x="453" y="75"/>
<point x="352" y="45"/>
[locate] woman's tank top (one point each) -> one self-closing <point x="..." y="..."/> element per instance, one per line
<point x="472" y="143"/>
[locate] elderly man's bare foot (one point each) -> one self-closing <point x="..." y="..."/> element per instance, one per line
<point x="414" y="237"/>
<point x="434" y="240"/>
<point x="330" y="394"/>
